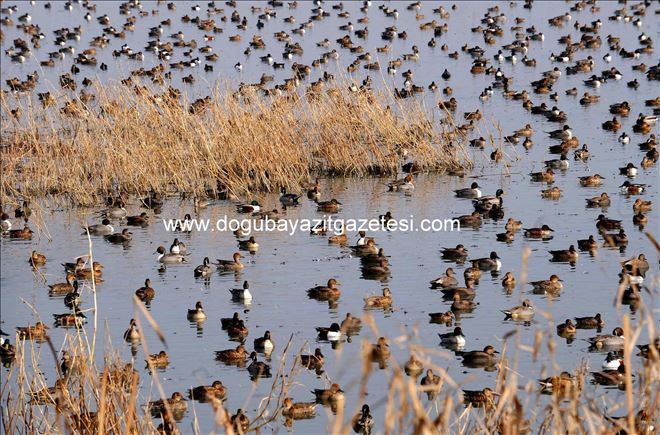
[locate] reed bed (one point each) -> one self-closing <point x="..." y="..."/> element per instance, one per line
<point x="132" y="139"/>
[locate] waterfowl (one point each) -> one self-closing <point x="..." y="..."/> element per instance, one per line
<point x="614" y="340"/>
<point x="561" y="163"/>
<point x="629" y="188"/>
<point x="480" y="358"/>
<point x="204" y="269"/>
<point x="72" y="299"/>
<point x="544" y="232"/>
<point x="525" y="311"/>
<point x="381" y="350"/>
<point x="232" y="355"/>
<point x="7" y="351"/>
<point x="178" y="247"/>
<point x="561" y="384"/>
<point x="647" y="350"/>
<point x="332" y="333"/>
<point x="366" y="249"/>
<point x="610" y="377"/>
<point x="118" y="238"/>
<point x="640" y="219"/>
<point x="327" y="292"/>
<point x="460" y="305"/>
<point x="332" y="394"/>
<point x="612" y="125"/>
<point x="176" y="403"/>
<point x="603" y="223"/>
<point x="240" y="422"/>
<point x="467" y="292"/>
<point x="169" y="258"/>
<point x="591" y="180"/>
<point x="509" y="280"/>
<point x="332" y="206"/>
<point x="582" y="153"/>
<point x="446" y="317"/>
<point x="145" y="293"/>
<point x="288" y="199"/>
<point x="457" y="254"/>
<point x="612" y="361"/>
<point x="159" y="359"/>
<point x="116" y="212"/>
<point x="589" y="322"/>
<point x="63" y="287"/>
<point x="132" y="334"/>
<point x="229" y="265"/>
<point x="384" y="301"/>
<point x="313" y="361"/>
<point x="430" y="383"/>
<point x="599" y="201"/>
<point x="102" y="229"/>
<point x="405" y="184"/>
<point x="469" y="192"/>
<point x="252" y="207"/>
<point x="547" y="176"/>
<point x="636" y="265"/>
<point x="38" y="331"/>
<point x="513" y="225"/>
<point x="264" y="344"/>
<point x="241" y="294"/>
<point x="564" y="134"/>
<point x="36" y="259"/>
<point x="5" y="223"/>
<point x="446" y="280"/>
<point x="480" y="398"/>
<point x="570" y="254"/>
<point x="486" y="203"/>
<point x="454" y="338"/>
<point x="566" y="329"/>
<point x="363" y="422"/>
<point x="551" y="285"/>
<point x="24" y="233"/>
<point x="470" y="220"/>
<point x="615" y="239"/>
<point x="207" y="392"/>
<point x="339" y="238"/>
<point x="75" y="318"/>
<point x="472" y="116"/>
<point x="299" y="410"/>
<point x="351" y="325"/>
<point x="140" y="220"/>
<point x="552" y="193"/>
<point x="492" y="262"/>
<point x="197" y="314"/>
<point x="642" y="206"/>
<point x="258" y="369"/>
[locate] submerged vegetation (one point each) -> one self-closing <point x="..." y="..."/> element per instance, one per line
<point x="133" y="140"/>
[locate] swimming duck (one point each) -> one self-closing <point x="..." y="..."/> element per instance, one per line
<point x="169" y="258"/>
<point x="405" y="184"/>
<point x="240" y="422"/>
<point x="491" y="263"/>
<point x="101" y="229"/>
<point x="552" y="285"/>
<point x="76" y="318"/>
<point x="470" y="220"/>
<point x="38" y="331"/>
<point x="469" y="192"/>
<point x="228" y="265"/>
<point x="460" y="305"/>
<point x="328" y="292"/>
<point x="525" y="311"/>
<point x="95" y="271"/>
<point x="288" y="199"/>
<point x="636" y="265"/>
<point x="332" y="394"/>
<point x="197" y="314"/>
<point x="381" y="350"/>
<point x="599" y="201"/>
<point x="603" y="223"/>
<point x="207" y="392"/>
<point x="454" y="338"/>
<point x="232" y="355"/>
<point x="140" y="220"/>
<point x="591" y="180"/>
<point x="384" y="301"/>
<point x="446" y="280"/>
<point x="610" y="377"/>
<point x="264" y="344"/>
<point x="351" y="325"/>
<point x="176" y="403"/>
<point x="640" y="219"/>
<point x="379" y="259"/>
<point x="241" y="294"/>
<point x="457" y="254"/>
<point x="480" y="398"/>
<point x="615" y="239"/>
<point x="467" y="292"/>
<point x="339" y="238"/>
<point x="24" y="233"/>
<point x="178" y="247"/>
<point x="566" y="329"/>
<point x="589" y="322"/>
<point x="641" y="206"/>
<point x="258" y="369"/>
<point x="486" y="203"/>
<point x="646" y="350"/>
<point x="513" y="225"/>
<point x="203" y="270"/>
<point x="629" y="188"/>
<point x="430" y="383"/>
<point x="63" y="287"/>
<point x="36" y="259"/>
<point x="446" y="317"/>
<point x="413" y="367"/>
<point x="226" y="322"/>
<point x="509" y="280"/>
<point x="145" y="293"/>
<point x="570" y="254"/>
<point x="624" y="138"/>
<point x="118" y="238"/>
<point x="333" y="333"/>
<point x="480" y="358"/>
<point x="582" y="153"/>
<point x="159" y="359"/>
<point x="561" y="384"/>
<point x="252" y="207"/>
<point x="132" y="334"/>
<point x="313" y="361"/>
<point x="547" y="176"/>
<point x="5" y="223"/>
<point x="544" y="232"/>
<point x="7" y="351"/>
<point x="332" y="206"/>
<point x="366" y="249"/>
<point x="299" y="410"/>
<point x="614" y="340"/>
<point x="612" y="361"/>
<point x="363" y="421"/>
<point x="72" y="299"/>
<point x="564" y="134"/>
<point x="117" y="212"/>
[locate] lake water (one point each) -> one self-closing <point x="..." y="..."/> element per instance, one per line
<point x="285" y="266"/>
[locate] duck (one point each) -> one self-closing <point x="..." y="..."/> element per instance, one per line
<point x="240" y="422"/>
<point x="473" y="191"/>
<point x="642" y="206"/>
<point x="178" y="247"/>
<point x="339" y="238"/>
<point x="38" y="331"/>
<point x="551" y="285"/>
<point x="313" y="361"/>
<point x="381" y="350"/>
<point x="603" y="223"/>
<point x="379" y="259"/>
<point x="362" y="422"/>
<point x="332" y="206"/>
<point x="204" y="269"/>
<point x="405" y="184"/>
<point x="197" y="314"/>
<point x="159" y="359"/>
<point x="232" y="355"/>
<point x="615" y="239"/>
<point x="226" y="322"/>
<point x="582" y="153"/>
<point x="454" y="338"/>
<point x="599" y="201"/>
<point x="231" y="265"/>
<point x="241" y="294"/>
<point x="640" y="219"/>
<point x="140" y="220"/>
<point x="288" y="199"/>
<point x="629" y="188"/>
<point x="258" y="369"/>
<point x="332" y="333"/>
<point x="525" y="311"/>
<point x="492" y="262"/>
<point x="446" y="280"/>
<point x="75" y="318"/>
<point x="24" y="233"/>
<point x="63" y="287"/>
<point x="366" y="249"/>
<point x="299" y="410"/>
<point x="513" y="225"/>
<point x="470" y="220"/>
<point x="124" y="237"/>
<point x="332" y="394"/>
<point x="589" y="322"/>
<point x="610" y="377"/>
<point x="5" y="223"/>
<point x="384" y="301"/>
<point x="543" y="232"/>
<point x="547" y="176"/>
<point x="102" y="229"/>
<point x="561" y="163"/>
<point x="146" y="292"/>
<point x="486" y="203"/>
<point x="561" y="384"/>
<point x="612" y="125"/>
<point x="467" y="292"/>
<point x="132" y="334"/>
<point x="480" y="358"/>
<point x="176" y="403"/>
<point x="624" y="139"/>
<point x="566" y="329"/>
<point x="72" y="299"/>
<point x="264" y="344"/>
<point x="458" y="253"/>
<point x="351" y="325"/>
<point x="570" y="254"/>
<point x="7" y="351"/>
<point x="430" y="383"/>
<point x="96" y="271"/>
<point x="252" y="207"/>
<point x="116" y="212"/>
<point x="169" y="258"/>
<point x="509" y="280"/>
<point x="413" y="367"/>
<point x="612" y="361"/>
<point x="564" y="134"/>
<point x="446" y="317"/>
<point x="327" y="292"/>
<point x="636" y="265"/>
<point x="591" y="180"/>
<point x="208" y="392"/>
<point x="480" y="398"/>
<point x="614" y="340"/>
<point x="462" y="305"/>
